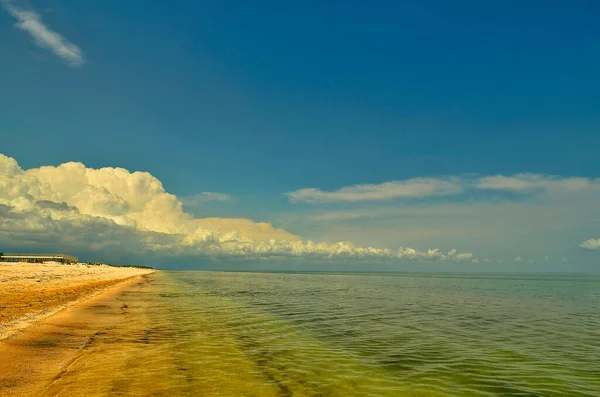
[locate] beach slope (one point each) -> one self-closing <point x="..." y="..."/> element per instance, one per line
<point x="30" y="292"/>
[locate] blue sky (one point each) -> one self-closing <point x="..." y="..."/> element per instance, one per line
<point x="256" y="100"/>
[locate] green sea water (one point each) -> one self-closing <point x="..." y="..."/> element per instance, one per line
<point x="274" y="334"/>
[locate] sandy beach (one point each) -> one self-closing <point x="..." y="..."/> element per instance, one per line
<point x="49" y="316"/>
<point x="30" y="292"/>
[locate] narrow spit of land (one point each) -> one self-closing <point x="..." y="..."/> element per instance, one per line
<point x="31" y="292"/>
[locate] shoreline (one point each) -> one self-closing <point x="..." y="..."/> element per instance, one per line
<point x="40" y="356"/>
<point x="32" y="293"/>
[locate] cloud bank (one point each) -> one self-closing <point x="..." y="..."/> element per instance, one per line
<point x="427" y="187"/>
<point x="30" y="21"/>
<point x="73" y="206"/>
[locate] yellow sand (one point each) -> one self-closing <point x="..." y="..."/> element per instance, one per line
<point x="31" y="292"/>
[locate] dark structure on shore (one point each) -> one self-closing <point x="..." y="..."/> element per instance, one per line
<point x="38" y="258"/>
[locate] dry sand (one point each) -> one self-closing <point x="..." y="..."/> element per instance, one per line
<point x="30" y="292"/>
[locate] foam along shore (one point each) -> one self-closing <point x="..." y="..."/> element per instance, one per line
<point x="30" y="292"/>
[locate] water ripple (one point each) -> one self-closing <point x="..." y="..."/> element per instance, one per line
<point x="223" y="334"/>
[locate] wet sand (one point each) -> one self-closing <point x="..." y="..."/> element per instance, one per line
<point x="59" y="322"/>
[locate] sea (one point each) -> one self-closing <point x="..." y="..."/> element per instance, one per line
<point x="201" y="333"/>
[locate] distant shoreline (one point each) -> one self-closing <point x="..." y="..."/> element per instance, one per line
<point x="390" y="272"/>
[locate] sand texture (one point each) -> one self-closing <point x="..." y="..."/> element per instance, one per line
<point x="31" y="292"/>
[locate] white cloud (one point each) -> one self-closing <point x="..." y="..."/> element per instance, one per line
<point x="108" y="207"/>
<point x="427" y="187"/>
<point x="31" y="22"/>
<point x="416" y="187"/>
<point x="518" y="259"/>
<point x="205" y="197"/>
<point x="591" y="244"/>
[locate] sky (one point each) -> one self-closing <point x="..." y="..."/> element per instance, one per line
<point x="410" y="135"/>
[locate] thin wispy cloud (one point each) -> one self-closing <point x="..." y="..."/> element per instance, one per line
<point x="31" y="22"/>
<point x="205" y="197"/>
<point x="427" y="187"/>
<point x="412" y="188"/>
<point x="528" y="182"/>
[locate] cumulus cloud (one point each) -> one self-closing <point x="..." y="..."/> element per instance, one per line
<point x="433" y="254"/>
<point x="591" y="244"/>
<point x="427" y="187"/>
<point x="112" y="207"/>
<point x="30" y="21"/>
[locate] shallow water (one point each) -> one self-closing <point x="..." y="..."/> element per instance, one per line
<point x="274" y="334"/>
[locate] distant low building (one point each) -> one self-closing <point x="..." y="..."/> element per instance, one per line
<point x="38" y="258"/>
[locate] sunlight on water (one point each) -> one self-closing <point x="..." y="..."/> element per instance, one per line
<point x="251" y="334"/>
